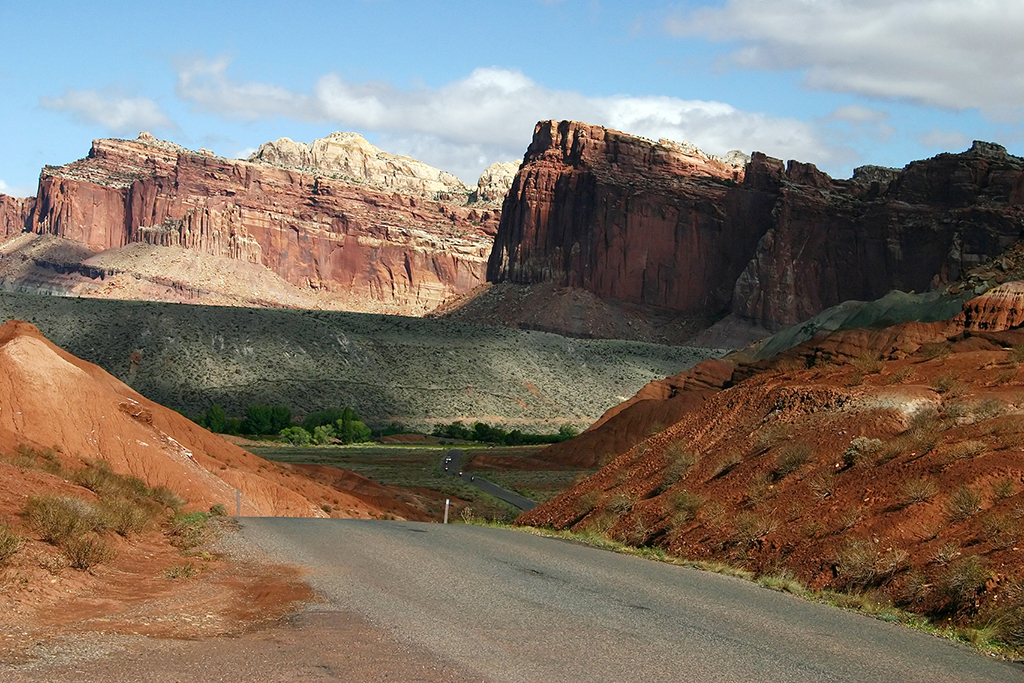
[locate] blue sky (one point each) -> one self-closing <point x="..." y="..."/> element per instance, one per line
<point x="459" y="85"/>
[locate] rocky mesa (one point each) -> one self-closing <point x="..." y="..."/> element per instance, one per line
<point x="338" y="218"/>
<point x="664" y="225"/>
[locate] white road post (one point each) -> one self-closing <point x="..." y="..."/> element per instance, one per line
<point x="447" y="502"/>
<point x="238" y="502"/>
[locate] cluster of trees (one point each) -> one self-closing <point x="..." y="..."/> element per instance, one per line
<point x="259" y="419"/>
<point x="339" y="424"/>
<point x="485" y="433"/>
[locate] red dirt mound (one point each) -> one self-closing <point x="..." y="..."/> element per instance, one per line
<point x="887" y="459"/>
<point x="49" y="398"/>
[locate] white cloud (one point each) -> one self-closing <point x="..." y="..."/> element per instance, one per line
<point x="489" y="115"/>
<point x="944" y="140"/>
<point x="14" y="191"/>
<point x="116" y="112"/>
<point x="954" y="54"/>
<point x="861" y="121"/>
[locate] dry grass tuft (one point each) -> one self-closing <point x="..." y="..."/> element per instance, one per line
<point x="917" y="491"/>
<point x="962" y="504"/>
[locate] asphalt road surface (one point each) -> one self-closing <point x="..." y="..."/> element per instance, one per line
<point x="453" y="463"/>
<point x="500" y="605"/>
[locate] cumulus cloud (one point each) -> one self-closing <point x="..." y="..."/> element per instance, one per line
<point x="954" y="54"/>
<point x="14" y="190"/>
<point x="117" y="112"/>
<point x="489" y="115"/>
<point x="944" y="140"/>
<point x="861" y="121"/>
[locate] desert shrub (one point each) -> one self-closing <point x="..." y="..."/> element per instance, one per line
<point x="636" y="531"/>
<point x="947" y="384"/>
<point x="621" y="503"/>
<point x="725" y="464"/>
<point x="861" y="450"/>
<point x="760" y="488"/>
<point x="296" y="436"/>
<point x="1001" y="530"/>
<point x="587" y="502"/>
<point x="1003" y="488"/>
<point x="917" y="490"/>
<point x="859" y="565"/>
<point x="900" y="376"/>
<point x="916" y="588"/>
<point x="940" y="350"/>
<point x="9" y="543"/>
<point x="126" y="516"/>
<point x="181" y="571"/>
<point x="822" y="483"/>
<point x="58" y="518"/>
<point x="1015" y="354"/>
<point x="769" y="436"/>
<point x="946" y="553"/>
<point x="680" y="459"/>
<point x="685" y="506"/>
<point x="868" y="363"/>
<point x="166" y="498"/>
<point x="962" y="581"/>
<point x="962" y="504"/>
<point x="750" y="526"/>
<point x="27" y="458"/>
<point x="188" y="530"/>
<point x="791" y="457"/>
<point x="219" y="510"/>
<point x="814" y="528"/>
<point x="964" y="450"/>
<point x="1009" y="616"/>
<point x="85" y="552"/>
<point x="849" y="518"/>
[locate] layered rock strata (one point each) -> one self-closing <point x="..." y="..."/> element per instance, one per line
<point x="666" y="225"/>
<point x="379" y="249"/>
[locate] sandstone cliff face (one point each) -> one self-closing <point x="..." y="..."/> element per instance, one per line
<point x="627" y="219"/>
<point x="665" y="225"/>
<point x="379" y="250"/>
<point x="15" y="214"/>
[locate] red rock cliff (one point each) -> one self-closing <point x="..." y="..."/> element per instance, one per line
<point x="385" y="250"/>
<point x="654" y="223"/>
<point x="15" y="214"/>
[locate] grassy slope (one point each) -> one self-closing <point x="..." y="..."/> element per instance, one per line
<point x="410" y="370"/>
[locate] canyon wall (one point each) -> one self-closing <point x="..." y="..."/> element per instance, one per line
<point x="15" y="214"/>
<point x="380" y="249"/>
<point x="665" y="225"/>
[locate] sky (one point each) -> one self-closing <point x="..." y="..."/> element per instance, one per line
<point x="460" y="85"/>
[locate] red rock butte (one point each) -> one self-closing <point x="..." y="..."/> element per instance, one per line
<point x="667" y="226"/>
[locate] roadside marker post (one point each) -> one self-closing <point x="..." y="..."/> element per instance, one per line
<point x="238" y="502"/>
<point x="447" y="502"/>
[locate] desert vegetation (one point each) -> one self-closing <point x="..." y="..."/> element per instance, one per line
<point x="99" y="507"/>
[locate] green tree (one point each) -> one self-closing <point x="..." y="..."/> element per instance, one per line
<point x="323" y="434"/>
<point x="264" y="419"/>
<point x="322" y="417"/>
<point x="296" y="436"/>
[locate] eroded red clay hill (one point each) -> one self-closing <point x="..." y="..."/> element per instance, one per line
<point x="889" y="460"/>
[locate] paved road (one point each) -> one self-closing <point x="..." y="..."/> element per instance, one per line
<point x="453" y="461"/>
<point x="499" y="605"/>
